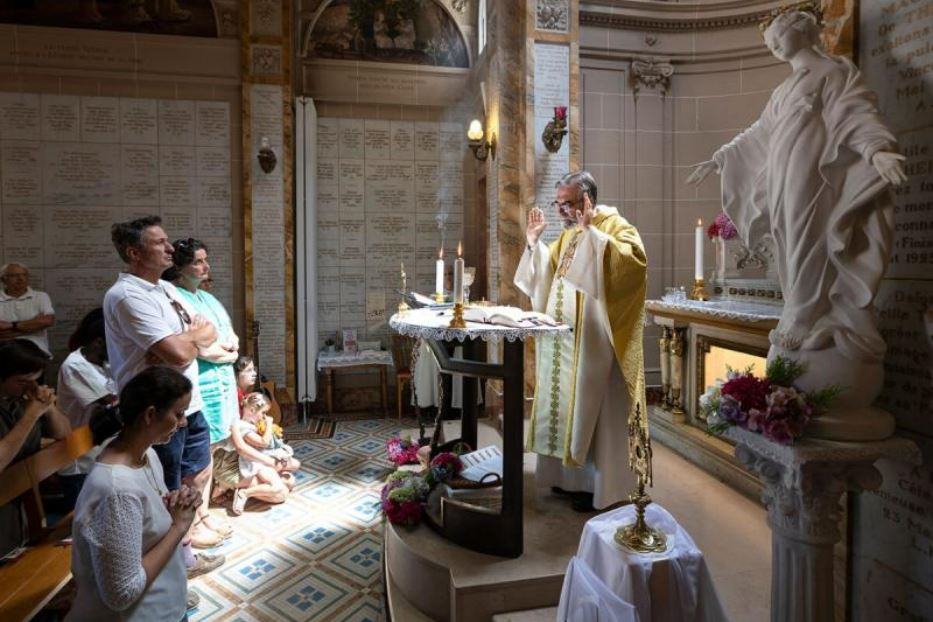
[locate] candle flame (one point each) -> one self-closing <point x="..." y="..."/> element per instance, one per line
<point x="459" y="248"/>
<point x="440" y="253"/>
<point x="699" y="222"/>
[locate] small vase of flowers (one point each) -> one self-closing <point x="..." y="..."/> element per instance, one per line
<point x="720" y="231"/>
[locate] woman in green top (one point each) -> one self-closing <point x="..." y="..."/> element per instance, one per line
<point x="216" y="376"/>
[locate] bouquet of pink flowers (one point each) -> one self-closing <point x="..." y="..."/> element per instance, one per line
<point x="443" y="467"/>
<point x="402" y="497"/>
<point x="721" y="227"/>
<point x="402" y="450"/>
<point x="770" y="406"/>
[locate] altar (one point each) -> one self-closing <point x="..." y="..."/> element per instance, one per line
<point x="496" y="532"/>
<point x="700" y="341"/>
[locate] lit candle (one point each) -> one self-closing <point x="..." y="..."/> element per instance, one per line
<point x="698" y="252"/>
<point x="439" y="272"/>
<point x="458" y="275"/>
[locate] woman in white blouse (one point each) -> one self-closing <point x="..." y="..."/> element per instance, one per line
<point x="127" y="560"/>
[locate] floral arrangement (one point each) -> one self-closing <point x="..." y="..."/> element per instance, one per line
<point x="721" y="227"/>
<point x="771" y="406"/>
<point x="443" y="467"/>
<point x="402" y="495"/>
<point x="560" y="113"/>
<point x="402" y="450"/>
<point x="405" y="491"/>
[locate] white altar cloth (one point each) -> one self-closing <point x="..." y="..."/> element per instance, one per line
<point x="585" y="598"/>
<point x="673" y="586"/>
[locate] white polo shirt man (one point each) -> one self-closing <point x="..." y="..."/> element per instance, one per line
<point x="138" y="314"/>
<point x="26" y="307"/>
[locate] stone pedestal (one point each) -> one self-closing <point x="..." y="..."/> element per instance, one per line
<point x="803" y="484"/>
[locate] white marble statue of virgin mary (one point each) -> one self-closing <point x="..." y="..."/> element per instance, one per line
<point x="813" y="174"/>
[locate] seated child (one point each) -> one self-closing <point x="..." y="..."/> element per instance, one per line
<point x="265" y="461"/>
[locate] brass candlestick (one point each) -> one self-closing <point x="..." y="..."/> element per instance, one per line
<point x="639" y="536"/>
<point x="457" y="320"/>
<point x="699" y="290"/>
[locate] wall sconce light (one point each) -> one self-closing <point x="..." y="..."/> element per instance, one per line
<point x="266" y="156"/>
<point x="555" y="130"/>
<point x="481" y="149"/>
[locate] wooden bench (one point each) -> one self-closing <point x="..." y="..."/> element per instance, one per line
<point x="30" y="581"/>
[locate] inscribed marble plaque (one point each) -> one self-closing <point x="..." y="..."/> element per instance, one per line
<point x="176" y="122"/>
<point x="213" y="124"/>
<point x="351" y="138"/>
<point x="19" y="116"/>
<point x="20" y="172"/>
<point x="403" y="140"/>
<point x="139" y="175"/>
<point x="552" y="88"/>
<point x="80" y="174"/>
<point x="139" y="121"/>
<point x="427" y="139"/>
<point x="377" y="139"/>
<point x="60" y="118"/>
<point x="100" y="120"/>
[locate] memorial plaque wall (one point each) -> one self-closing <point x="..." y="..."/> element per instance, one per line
<point x="388" y="192"/>
<point x="71" y="166"/>
<point x="893" y="540"/>
<point x="552" y="88"/>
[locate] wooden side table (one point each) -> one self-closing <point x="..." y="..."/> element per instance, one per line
<point x="329" y="362"/>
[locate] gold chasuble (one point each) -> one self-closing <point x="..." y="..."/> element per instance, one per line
<point x="590" y="379"/>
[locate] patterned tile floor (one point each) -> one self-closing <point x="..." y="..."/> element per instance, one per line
<point x="318" y="556"/>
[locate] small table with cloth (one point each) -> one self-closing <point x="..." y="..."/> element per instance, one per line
<point x="329" y="362"/>
<point x="672" y="586"/>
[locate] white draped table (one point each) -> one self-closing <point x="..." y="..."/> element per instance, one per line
<point x="474" y="527"/>
<point x="673" y="586"/>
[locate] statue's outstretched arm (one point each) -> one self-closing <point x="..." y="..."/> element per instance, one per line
<point x="888" y="164"/>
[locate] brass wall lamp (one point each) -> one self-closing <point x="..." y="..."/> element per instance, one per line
<point x="481" y="148"/>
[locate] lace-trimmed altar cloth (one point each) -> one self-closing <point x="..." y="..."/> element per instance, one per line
<point x="427" y="323"/>
<point x="664" y="587"/>
<point x="349" y="359"/>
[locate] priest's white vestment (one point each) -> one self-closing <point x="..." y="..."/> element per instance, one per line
<point x="590" y="379"/>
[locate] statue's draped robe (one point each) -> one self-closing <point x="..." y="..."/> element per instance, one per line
<point x="803" y="175"/>
<point x="588" y="380"/>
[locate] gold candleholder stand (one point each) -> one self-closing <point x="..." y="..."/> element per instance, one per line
<point x="457" y="320"/>
<point x="639" y="536"/>
<point x="699" y="290"/>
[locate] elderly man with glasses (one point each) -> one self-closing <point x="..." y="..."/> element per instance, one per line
<point x="25" y="313"/>
<point x="590" y="380"/>
<point x="149" y="323"/>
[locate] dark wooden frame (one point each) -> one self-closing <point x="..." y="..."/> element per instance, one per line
<point x="474" y="527"/>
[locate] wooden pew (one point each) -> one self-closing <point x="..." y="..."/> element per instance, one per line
<point x="32" y="580"/>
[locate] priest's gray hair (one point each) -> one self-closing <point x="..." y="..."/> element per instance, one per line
<point x="582" y="180"/>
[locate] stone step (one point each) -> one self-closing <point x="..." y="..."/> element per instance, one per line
<point x="546" y="614"/>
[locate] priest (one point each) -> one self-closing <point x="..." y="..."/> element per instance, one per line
<point x="589" y="380"/>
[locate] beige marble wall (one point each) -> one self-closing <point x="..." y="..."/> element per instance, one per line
<point x="642" y="129"/>
<point x="119" y="64"/>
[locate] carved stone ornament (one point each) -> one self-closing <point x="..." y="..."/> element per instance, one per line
<point x="803" y="485"/>
<point x="552" y="15"/>
<point x="651" y="74"/>
<point x="266" y="156"/>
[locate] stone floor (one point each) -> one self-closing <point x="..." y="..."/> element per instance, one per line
<point x="318" y="556"/>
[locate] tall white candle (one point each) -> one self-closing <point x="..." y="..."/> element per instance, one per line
<point x="458" y="274"/>
<point x="439" y="273"/>
<point x="698" y="252"/>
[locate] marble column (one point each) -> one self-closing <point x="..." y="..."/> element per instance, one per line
<point x="803" y="484"/>
<point x="677" y="348"/>
<point x="665" y="345"/>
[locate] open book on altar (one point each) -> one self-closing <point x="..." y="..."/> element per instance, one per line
<point x="507" y="316"/>
<point x="481" y="462"/>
